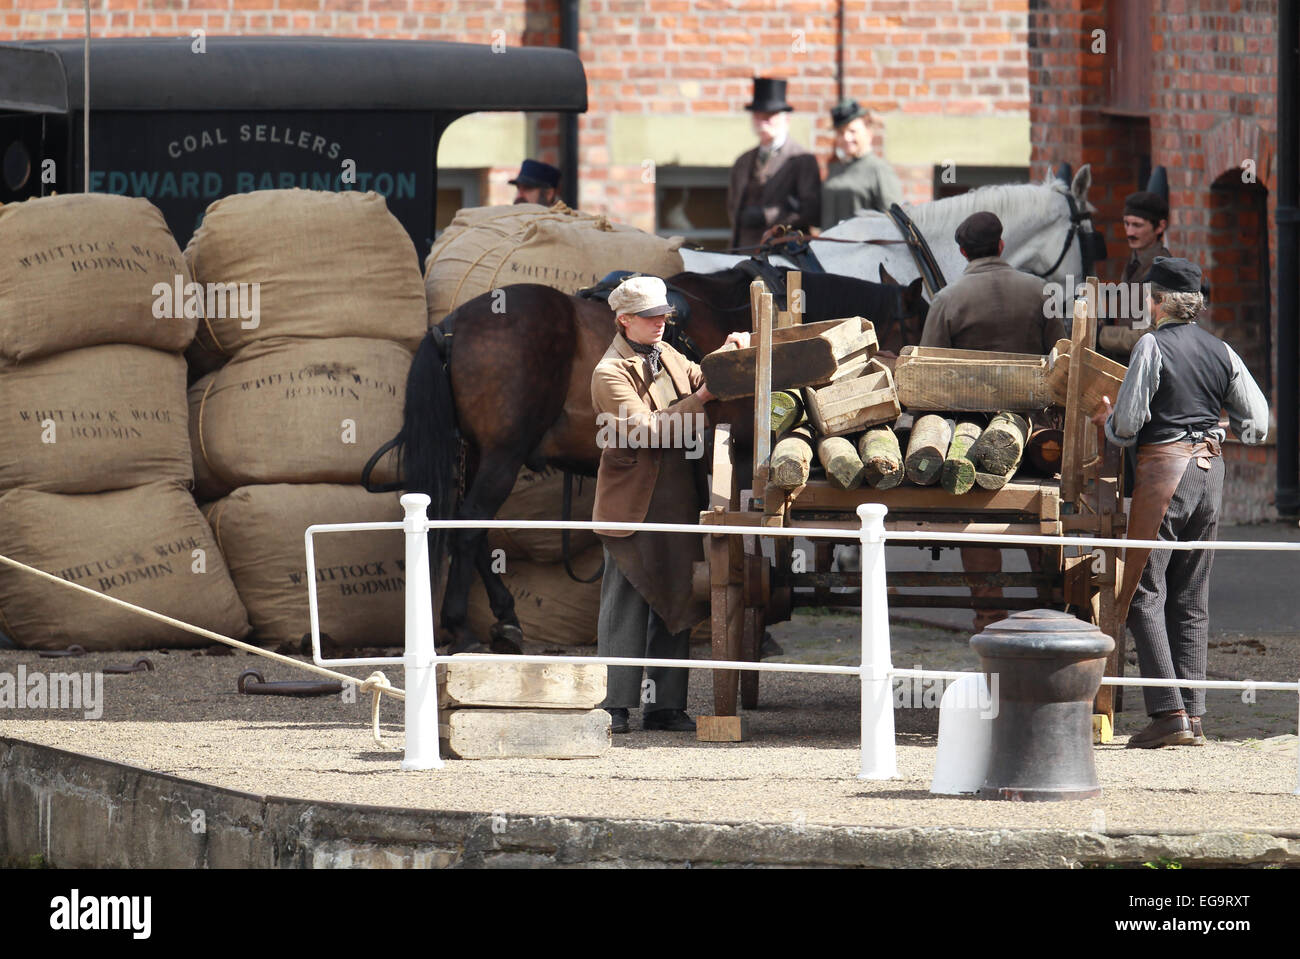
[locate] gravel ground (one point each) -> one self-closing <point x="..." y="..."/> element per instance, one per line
<point x="798" y="767"/>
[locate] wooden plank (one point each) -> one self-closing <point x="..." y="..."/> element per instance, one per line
<point x="1075" y="421"/>
<point x="850" y="405"/>
<point x="970" y="381"/>
<point x="809" y="358"/>
<point x="921" y="525"/>
<point x="721" y="729"/>
<point x="794" y="296"/>
<point x="1015" y="497"/>
<point x="722" y="490"/>
<point x="464" y="682"/>
<point x="1101" y="377"/>
<point x="525" y="733"/>
<point x="761" y="300"/>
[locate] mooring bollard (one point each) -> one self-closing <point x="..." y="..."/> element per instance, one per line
<point x="879" y="760"/>
<point x="421" y="672"/>
<point x="1048" y="667"/>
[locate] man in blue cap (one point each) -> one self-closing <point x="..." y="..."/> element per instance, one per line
<point x="537" y="182"/>
<point x="1168" y="406"/>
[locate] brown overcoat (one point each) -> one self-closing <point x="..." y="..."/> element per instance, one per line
<point x="625" y="399"/>
<point x="992" y="306"/>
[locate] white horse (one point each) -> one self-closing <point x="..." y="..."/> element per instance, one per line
<point x="1037" y="227"/>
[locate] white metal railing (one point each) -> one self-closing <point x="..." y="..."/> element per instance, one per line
<point x="878" y="759"/>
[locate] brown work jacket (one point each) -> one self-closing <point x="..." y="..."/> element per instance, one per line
<point x="993" y="306"/>
<point x="622" y="392"/>
<point x="786" y="189"/>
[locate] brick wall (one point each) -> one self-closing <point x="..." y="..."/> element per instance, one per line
<point x="903" y="58"/>
<point x="1212" y="106"/>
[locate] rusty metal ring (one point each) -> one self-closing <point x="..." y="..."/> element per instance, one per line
<point x="141" y="665"/>
<point x="73" y="650"/>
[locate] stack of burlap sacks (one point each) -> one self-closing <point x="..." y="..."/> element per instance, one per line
<point x="94" y="452"/>
<point x="282" y="428"/>
<point x="484" y="249"/>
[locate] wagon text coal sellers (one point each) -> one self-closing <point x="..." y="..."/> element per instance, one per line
<point x="778" y="183"/>
<point x="991" y="306"/>
<point x="651" y="393"/>
<point x="536" y="182"/>
<point x="1168" y="407"/>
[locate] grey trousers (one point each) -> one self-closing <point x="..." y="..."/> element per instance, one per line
<point x="1170" y="613"/>
<point x="629" y="627"/>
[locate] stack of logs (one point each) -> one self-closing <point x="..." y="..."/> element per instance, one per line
<point x="958" y="452"/>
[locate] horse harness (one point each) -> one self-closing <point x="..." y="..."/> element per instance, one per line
<point x="1092" y="244"/>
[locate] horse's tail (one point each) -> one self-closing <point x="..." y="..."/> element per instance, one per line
<point x="428" y="443"/>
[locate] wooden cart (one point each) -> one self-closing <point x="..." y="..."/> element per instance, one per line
<point x="751" y="581"/>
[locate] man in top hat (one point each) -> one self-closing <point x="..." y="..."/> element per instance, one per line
<point x="649" y="402"/>
<point x="991" y="306"/>
<point x="778" y="183"/>
<point x="1168" y="407"/>
<point x="537" y="182"/>
<point x="857" y="178"/>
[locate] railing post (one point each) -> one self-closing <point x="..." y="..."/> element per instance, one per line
<point x="879" y="760"/>
<point x="421" y="673"/>
<point x="1297" y="747"/>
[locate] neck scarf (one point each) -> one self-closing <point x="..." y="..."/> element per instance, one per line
<point x="651" y="353"/>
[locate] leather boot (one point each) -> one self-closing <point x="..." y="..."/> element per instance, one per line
<point x="1169" y="729"/>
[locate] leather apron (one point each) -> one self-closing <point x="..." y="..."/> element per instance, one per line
<point x="1160" y="468"/>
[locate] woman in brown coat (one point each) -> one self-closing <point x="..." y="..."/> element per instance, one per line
<point x="649" y="402"/>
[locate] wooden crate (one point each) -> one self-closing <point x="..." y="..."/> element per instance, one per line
<point x="932" y="379"/>
<point x="524" y="733"/>
<point x="465" y="682"/>
<point x="1101" y="377"/>
<point x="806" y="355"/>
<point x="853" y="403"/>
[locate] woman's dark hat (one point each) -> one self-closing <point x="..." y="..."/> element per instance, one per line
<point x="846" y="111"/>
<point x="1174" y="274"/>
<point x="535" y="173"/>
<point x="769" y="96"/>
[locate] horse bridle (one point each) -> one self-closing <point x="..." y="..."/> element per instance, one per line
<point x="1092" y="245"/>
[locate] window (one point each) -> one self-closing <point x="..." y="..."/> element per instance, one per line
<point x="692" y="202"/>
<point x="456" y="189"/>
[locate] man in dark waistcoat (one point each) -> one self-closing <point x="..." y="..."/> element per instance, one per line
<point x="778" y="183"/>
<point x="1168" y="407"/>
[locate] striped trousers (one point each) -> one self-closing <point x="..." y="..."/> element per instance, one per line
<point x="1170" y="612"/>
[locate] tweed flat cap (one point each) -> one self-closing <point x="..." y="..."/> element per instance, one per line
<point x="642" y="295"/>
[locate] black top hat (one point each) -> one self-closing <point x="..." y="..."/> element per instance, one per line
<point x="535" y="173"/>
<point x="846" y="111"/>
<point x="769" y="96"/>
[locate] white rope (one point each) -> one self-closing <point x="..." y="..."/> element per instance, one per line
<point x="376" y="683"/>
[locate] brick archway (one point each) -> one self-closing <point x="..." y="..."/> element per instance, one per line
<point x="1238" y="271"/>
<point x="1232" y="142"/>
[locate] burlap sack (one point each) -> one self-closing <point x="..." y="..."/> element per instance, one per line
<point x="207" y="486"/>
<point x="326" y="264"/>
<point x="80" y="269"/>
<point x="102" y="418"/>
<point x="540" y="496"/>
<point x="491" y="247"/>
<point x="359" y="576"/>
<point x="138" y="545"/>
<point x="299" y="411"/>
<point x="551" y="607"/>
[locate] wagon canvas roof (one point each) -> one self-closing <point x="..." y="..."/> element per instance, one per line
<point x="289" y="73"/>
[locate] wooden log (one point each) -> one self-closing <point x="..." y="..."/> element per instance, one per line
<point x="1044" y="451"/>
<point x="787" y="411"/>
<point x="997" y="452"/>
<point x="792" y="459"/>
<point x="806" y="355"/>
<point x="839" y="457"/>
<point x="958" y="473"/>
<point x="926" y="449"/>
<point x="882" y="459"/>
<point x="464" y="682"/>
<point x="525" y="733"/>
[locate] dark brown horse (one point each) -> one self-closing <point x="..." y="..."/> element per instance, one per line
<point x="513" y="378"/>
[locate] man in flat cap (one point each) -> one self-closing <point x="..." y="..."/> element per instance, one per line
<point x="991" y="306"/>
<point x="857" y="179"/>
<point x="649" y="402"/>
<point x="1146" y="216"/>
<point x="537" y="182"/>
<point x="1168" y="407"/>
<point x="778" y="183"/>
